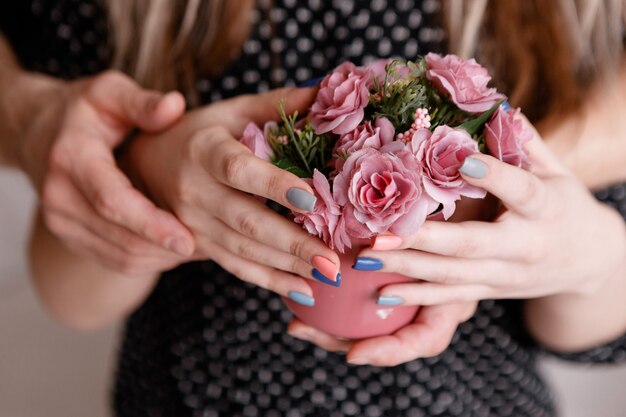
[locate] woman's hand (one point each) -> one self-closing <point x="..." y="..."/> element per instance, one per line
<point x="551" y="237"/>
<point x="429" y="335"/>
<point x="66" y="149"/>
<point x="201" y="172"/>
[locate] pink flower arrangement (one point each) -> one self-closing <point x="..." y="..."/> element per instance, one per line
<point x="382" y="144"/>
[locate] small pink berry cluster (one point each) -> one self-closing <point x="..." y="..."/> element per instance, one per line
<point x="422" y="121"/>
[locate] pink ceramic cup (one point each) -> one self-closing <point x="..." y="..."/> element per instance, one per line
<point x="350" y="310"/>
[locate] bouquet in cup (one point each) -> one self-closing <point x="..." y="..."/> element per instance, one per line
<point x="381" y="146"/>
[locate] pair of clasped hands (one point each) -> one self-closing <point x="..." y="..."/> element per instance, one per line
<point x="197" y="201"/>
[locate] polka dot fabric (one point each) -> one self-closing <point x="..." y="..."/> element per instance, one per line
<point x="205" y="344"/>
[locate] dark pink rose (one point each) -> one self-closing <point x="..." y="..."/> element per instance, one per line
<point x="326" y="220"/>
<point x="463" y="81"/>
<point x="255" y="140"/>
<point x="506" y="136"/>
<point x="441" y="154"/>
<point x="381" y="190"/>
<point x="341" y="100"/>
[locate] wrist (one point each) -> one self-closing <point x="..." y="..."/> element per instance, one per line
<point x="25" y="97"/>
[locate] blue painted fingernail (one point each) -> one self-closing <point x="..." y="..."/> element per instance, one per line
<point x="301" y="199"/>
<point x="367" y="264"/>
<point x="389" y="300"/>
<point x="506" y="106"/>
<point x="312" y="82"/>
<point x="474" y="168"/>
<point x="323" y="278"/>
<point x="301" y="298"/>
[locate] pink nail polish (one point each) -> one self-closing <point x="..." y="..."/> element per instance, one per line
<point x="326" y="267"/>
<point x="386" y="242"/>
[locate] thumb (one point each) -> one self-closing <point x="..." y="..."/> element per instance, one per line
<point x="543" y="161"/>
<point x="133" y="106"/>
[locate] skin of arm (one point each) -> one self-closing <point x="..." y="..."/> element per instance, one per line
<point x="593" y="145"/>
<point x="77" y="291"/>
<point x="23" y="94"/>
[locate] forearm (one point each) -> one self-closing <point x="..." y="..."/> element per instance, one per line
<point x="22" y="96"/>
<point x="79" y="292"/>
<point x="570" y="323"/>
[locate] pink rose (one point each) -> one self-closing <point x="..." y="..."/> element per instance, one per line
<point x="441" y="155"/>
<point x="326" y="220"/>
<point x="506" y="136"/>
<point x="340" y="103"/>
<point x="464" y="82"/>
<point x="255" y="140"/>
<point x="381" y="190"/>
<point x="379" y="71"/>
<point x="364" y="136"/>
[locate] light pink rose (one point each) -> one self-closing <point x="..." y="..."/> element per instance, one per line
<point x="256" y="140"/>
<point x="506" y="136"/>
<point x="463" y="81"/>
<point x="326" y="220"/>
<point x="441" y="154"/>
<point x="381" y="190"/>
<point x="341" y="100"/>
<point x="365" y="135"/>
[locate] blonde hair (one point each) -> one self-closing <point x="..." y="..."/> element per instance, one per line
<point x="168" y="44"/>
<point x="545" y="54"/>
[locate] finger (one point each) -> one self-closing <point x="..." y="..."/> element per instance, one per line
<point x="519" y="190"/>
<point x="428" y="336"/>
<point x="222" y="235"/>
<point x="231" y="163"/>
<point x="77" y="210"/>
<point x="111" y="194"/>
<point x="262" y="276"/>
<point x="428" y="294"/>
<point x="82" y="241"/>
<point x="247" y="216"/>
<point x="469" y="239"/>
<point x="437" y="268"/>
<point x="544" y="162"/>
<point x="260" y="108"/>
<point x="327" y="342"/>
<point x="130" y="104"/>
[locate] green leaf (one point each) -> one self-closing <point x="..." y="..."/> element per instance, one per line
<point x="290" y="166"/>
<point x="473" y="126"/>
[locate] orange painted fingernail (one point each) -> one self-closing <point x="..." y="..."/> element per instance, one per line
<point x="326" y="267"/>
<point x="386" y="242"/>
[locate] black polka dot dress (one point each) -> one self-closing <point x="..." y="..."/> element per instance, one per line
<point x="205" y="344"/>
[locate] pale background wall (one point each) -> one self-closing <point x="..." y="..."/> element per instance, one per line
<point x="47" y="371"/>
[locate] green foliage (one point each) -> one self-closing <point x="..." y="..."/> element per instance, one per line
<point x="297" y="148"/>
<point x="397" y="98"/>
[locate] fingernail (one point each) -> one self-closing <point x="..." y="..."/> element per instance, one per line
<point x="298" y="334"/>
<point x="312" y="82"/>
<point x="367" y="264"/>
<point x="153" y="102"/>
<point x="389" y="300"/>
<point x="301" y="199"/>
<point x="474" y="168"/>
<point x="506" y="106"/>
<point x="386" y="242"/>
<point x="359" y="360"/>
<point x="325" y="266"/>
<point x="324" y="279"/>
<point x="178" y="245"/>
<point x="301" y="298"/>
